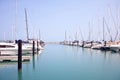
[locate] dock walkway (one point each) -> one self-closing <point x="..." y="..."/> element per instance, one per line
<point x="14" y="58"/>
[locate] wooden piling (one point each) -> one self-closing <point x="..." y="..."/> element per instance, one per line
<point x="37" y="46"/>
<point x="91" y="43"/>
<point x="83" y="44"/>
<point x="105" y="43"/>
<point x="19" y="54"/>
<point x="33" y="47"/>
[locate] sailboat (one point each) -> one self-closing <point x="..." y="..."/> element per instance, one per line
<point x="98" y="44"/>
<point x="115" y="47"/>
<point x="11" y="48"/>
<point x="88" y="44"/>
<point x="38" y="44"/>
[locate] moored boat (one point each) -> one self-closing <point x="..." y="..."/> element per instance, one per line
<point x="115" y="47"/>
<point x="7" y="48"/>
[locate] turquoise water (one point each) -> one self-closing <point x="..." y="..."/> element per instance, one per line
<point x="59" y="62"/>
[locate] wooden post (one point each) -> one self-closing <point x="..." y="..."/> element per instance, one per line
<point x="33" y="47"/>
<point x="37" y="46"/>
<point x="77" y="43"/>
<point x="83" y="44"/>
<point x="19" y="54"/>
<point x="91" y="43"/>
<point x="105" y="43"/>
<point x="0" y="53"/>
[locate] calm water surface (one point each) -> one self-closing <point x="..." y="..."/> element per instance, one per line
<point x="59" y="62"/>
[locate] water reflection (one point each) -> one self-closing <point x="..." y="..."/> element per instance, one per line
<point x="93" y="54"/>
<point x="70" y="62"/>
<point x="35" y="58"/>
<point x="73" y="50"/>
<point x="19" y="74"/>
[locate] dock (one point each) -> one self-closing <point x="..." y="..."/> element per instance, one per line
<point x="13" y="58"/>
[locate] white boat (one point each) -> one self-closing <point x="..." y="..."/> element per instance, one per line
<point x="88" y="45"/>
<point x="12" y="48"/>
<point x="80" y="44"/>
<point x="75" y="44"/>
<point x="97" y="46"/>
<point x="30" y="44"/>
<point x="115" y="47"/>
<point x="91" y="45"/>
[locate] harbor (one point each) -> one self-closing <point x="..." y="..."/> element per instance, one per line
<point x="60" y="40"/>
<point x="66" y="63"/>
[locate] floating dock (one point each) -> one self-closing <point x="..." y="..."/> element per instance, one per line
<point x="13" y="58"/>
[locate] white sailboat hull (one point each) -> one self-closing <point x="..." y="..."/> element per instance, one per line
<point x="115" y="48"/>
<point x="12" y="49"/>
<point x="98" y="46"/>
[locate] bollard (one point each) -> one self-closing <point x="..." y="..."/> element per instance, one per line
<point x="19" y="54"/>
<point x="33" y="47"/>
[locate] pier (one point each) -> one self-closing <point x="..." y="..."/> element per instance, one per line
<point x="17" y="51"/>
<point x="13" y="58"/>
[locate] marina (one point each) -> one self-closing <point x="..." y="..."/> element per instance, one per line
<point x="60" y="40"/>
<point x="66" y="63"/>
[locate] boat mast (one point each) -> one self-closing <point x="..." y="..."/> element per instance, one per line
<point x="118" y="19"/>
<point x="75" y="35"/>
<point x="26" y="24"/>
<point x="39" y="35"/>
<point x="65" y="35"/>
<point x="114" y="24"/>
<point x="89" y="37"/>
<point x="81" y="34"/>
<point x="118" y="22"/>
<point x="4" y="36"/>
<point x="103" y="30"/>
<point x="108" y="29"/>
<point x="15" y="25"/>
<point x="98" y="29"/>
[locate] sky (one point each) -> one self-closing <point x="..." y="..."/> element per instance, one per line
<point x="52" y="18"/>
